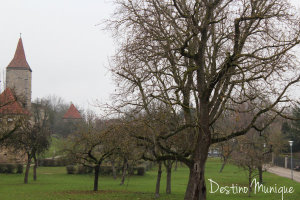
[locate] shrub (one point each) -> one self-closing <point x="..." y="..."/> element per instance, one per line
<point x="81" y="169"/>
<point x="7" y="168"/>
<point x="57" y="162"/>
<point x="10" y="168"/>
<point x="41" y="162"/>
<point x="46" y="162"/>
<point x="52" y="163"/>
<point x="71" y="169"/>
<point x="3" y="168"/>
<point x="89" y="169"/>
<point x="19" y="168"/>
<point x="105" y="170"/>
<point x="141" y="170"/>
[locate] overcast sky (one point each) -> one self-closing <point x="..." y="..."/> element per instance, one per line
<point x="66" y="50"/>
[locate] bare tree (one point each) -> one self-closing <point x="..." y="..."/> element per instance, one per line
<point x="33" y="137"/>
<point x="203" y="58"/>
<point x="250" y="156"/>
<point x="91" y="146"/>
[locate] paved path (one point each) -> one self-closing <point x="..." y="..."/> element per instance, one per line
<point x="284" y="172"/>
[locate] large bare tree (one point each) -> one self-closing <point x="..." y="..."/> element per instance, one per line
<point x="202" y="58"/>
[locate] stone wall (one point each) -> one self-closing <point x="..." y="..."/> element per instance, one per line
<point x="20" y="81"/>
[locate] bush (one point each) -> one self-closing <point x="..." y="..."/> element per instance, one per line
<point x="71" y="169"/>
<point x="149" y="165"/>
<point x="105" y="170"/>
<point x="7" y="168"/>
<point x="82" y="169"/>
<point x="89" y="169"/>
<point x="3" y="168"/>
<point x="19" y="168"/>
<point x="52" y="163"/>
<point x="41" y="162"/>
<point x="57" y="162"/>
<point x="49" y="162"/>
<point x="141" y="171"/>
<point x="10" y="168"/>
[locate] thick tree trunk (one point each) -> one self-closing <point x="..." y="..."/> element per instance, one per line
<point x="196" y="188"/>
<point x="96" y="176"/>
<point x="169" y="173"/>
<point x="125" y="165"/>
<point x="159" y="172"/>
<point x="114" y="169"/>
<point x="34" y="168"/>
<point x="260" y="172"/>
<point x="27" y="169"/>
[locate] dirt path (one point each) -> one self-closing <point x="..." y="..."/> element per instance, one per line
<point x="284" y="172"/>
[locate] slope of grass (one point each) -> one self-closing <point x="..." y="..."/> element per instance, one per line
<point x="54" y="183"/>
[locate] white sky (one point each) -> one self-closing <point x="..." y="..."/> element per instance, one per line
<point x="65" y="49"/>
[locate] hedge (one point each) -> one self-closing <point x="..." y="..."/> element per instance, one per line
<point x="10" y="168"/>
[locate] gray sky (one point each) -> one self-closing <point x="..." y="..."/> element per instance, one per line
<point x="65" y="49"/>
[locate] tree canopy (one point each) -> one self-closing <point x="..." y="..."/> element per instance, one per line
<point x="205" y="57"/>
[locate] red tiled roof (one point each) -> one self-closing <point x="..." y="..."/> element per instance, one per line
<point x="72" y="113"/>
<point x="19" y="61"/>
<point x="9" y="105"/>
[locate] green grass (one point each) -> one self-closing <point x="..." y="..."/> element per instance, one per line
<point x="54" y="183"/>
<point x="55" y="148"/>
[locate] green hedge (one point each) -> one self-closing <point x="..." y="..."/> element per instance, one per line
<point x="57" y="162"/>
<point x="78" y="169"/>
<point x="10" y="168"/>
<point x="71" y="169"/>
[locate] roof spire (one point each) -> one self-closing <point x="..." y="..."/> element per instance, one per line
<point x="72" y="113"/>
<point x="19" y="61"/>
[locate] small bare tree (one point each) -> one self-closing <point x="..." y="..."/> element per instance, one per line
<point x="33" y="137"/>
<point x="250" y="156"/>
<point x="91" y="146"/>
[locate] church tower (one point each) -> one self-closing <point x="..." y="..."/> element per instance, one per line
<point x="18" y="76"/>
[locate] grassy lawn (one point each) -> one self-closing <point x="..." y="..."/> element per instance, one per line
<point x="54" y="183"/>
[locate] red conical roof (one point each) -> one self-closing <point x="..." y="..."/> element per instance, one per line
<point x="9" y="105"/>
<point x="72" y="113"/>
<point x="19" y="61"/>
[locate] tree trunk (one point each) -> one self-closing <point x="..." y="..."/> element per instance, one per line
<point x="96" y="176"/>
<point x="196" y="188"/>
<point x="114" y="169"/>
<point x="159" y="172"/>
<point x="260" y="171"/>
<point x="176" y="165"/>
<point x="34" y="167"/>
<point x="250" y="180"/>
<point x="27" y="169"/>
<point x="223" y="165"/>
<point x="125" y="165"/>
<point x="169" y="173"/>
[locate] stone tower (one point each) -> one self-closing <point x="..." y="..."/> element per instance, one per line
<point x="18" y="76"/>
